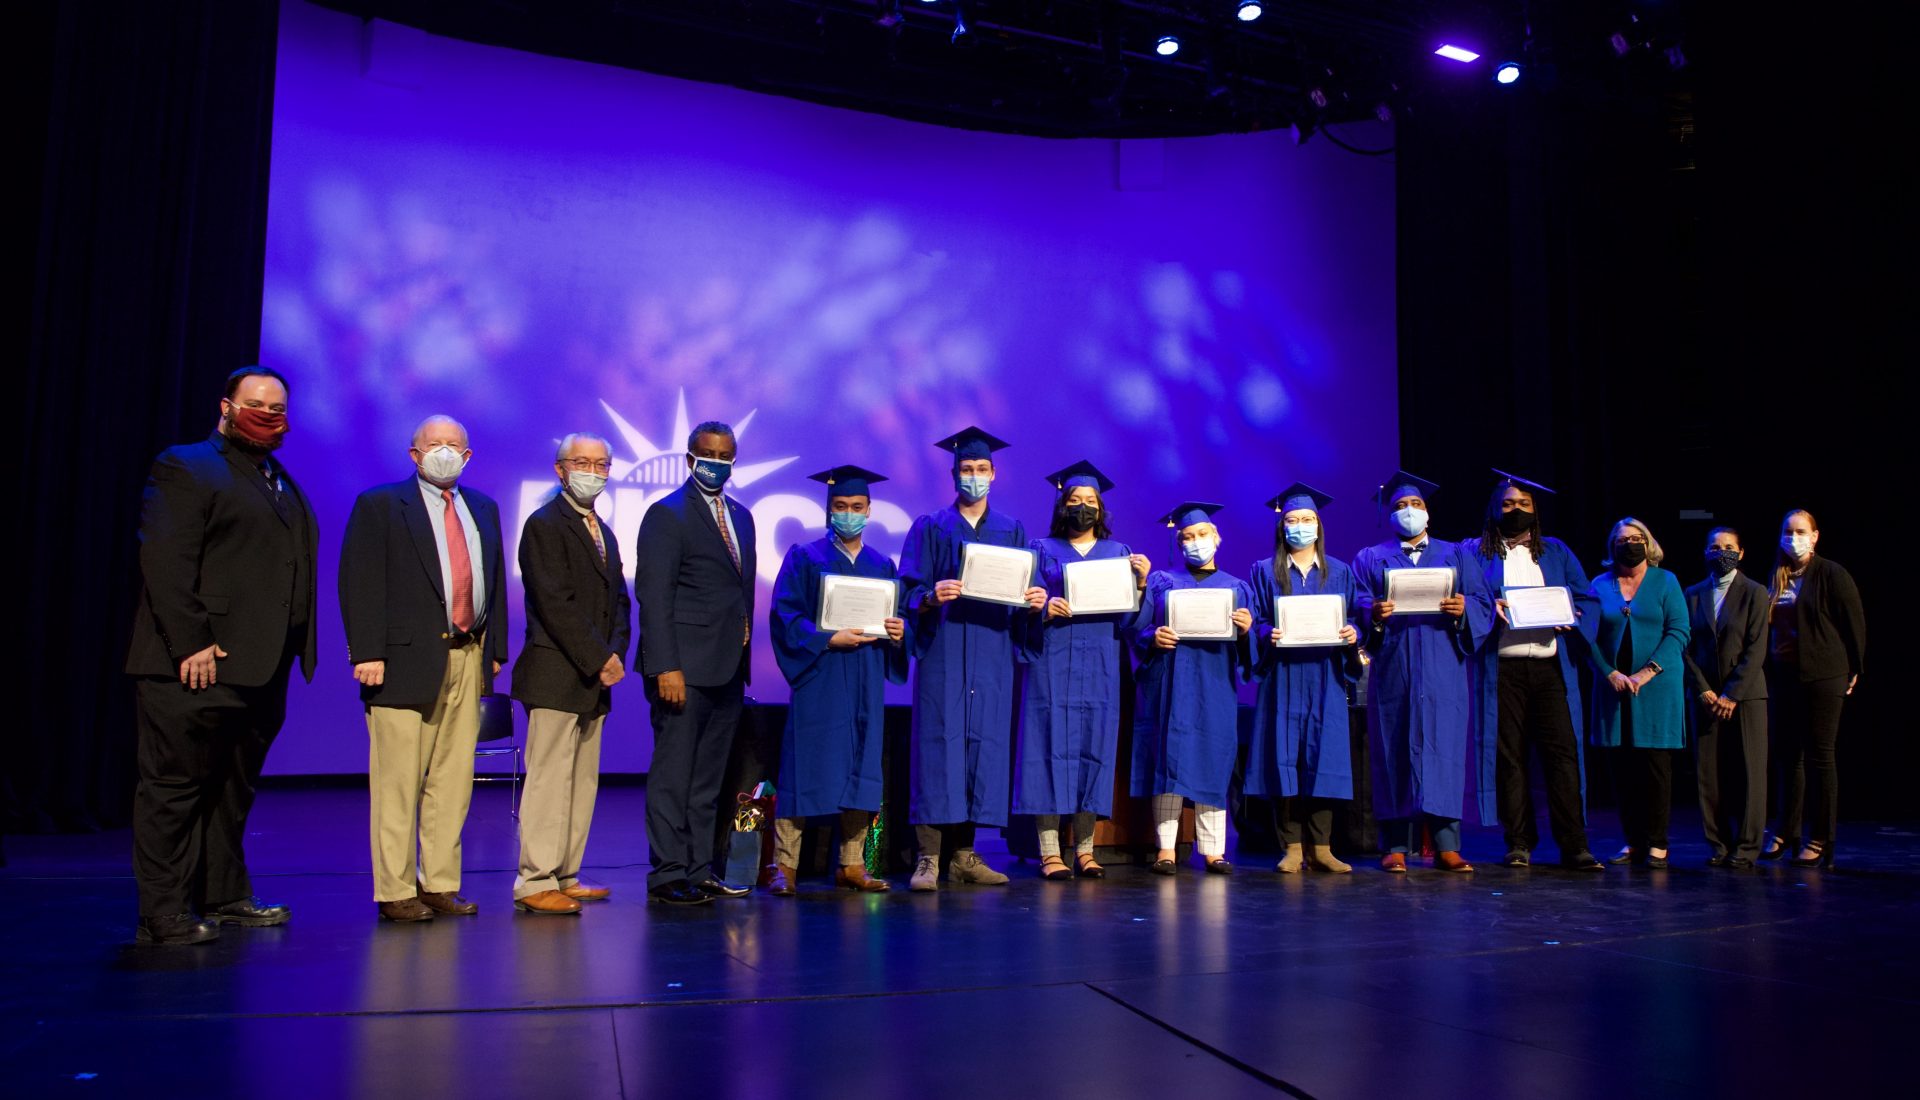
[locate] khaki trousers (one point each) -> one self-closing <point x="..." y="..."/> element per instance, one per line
<point x="420" y="777"/>
<point x="556" y="806"/>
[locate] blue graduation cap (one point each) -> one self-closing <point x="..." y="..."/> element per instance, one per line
<point x="1508" y="480"/>
<point x="847" y="481"/>
<point x="970" y="443"/>
<point x="1189" y="512"/>
<point x="1299" y="495"/>
<point x="1403" y="484"/>
<point x="1081" y="473"/>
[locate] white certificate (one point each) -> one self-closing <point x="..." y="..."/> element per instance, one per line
<point x="1535" y="608"/>
<point x="1418" y="591"/>
<point x="1201" y="613"/>
<point x="996" y="574"/>
<point x="857" y="603"/>
<point x="1102" y="586"/>
<point x="1310" y="620"/>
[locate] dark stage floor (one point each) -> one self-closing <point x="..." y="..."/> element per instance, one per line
<point x="1689" y="982"/>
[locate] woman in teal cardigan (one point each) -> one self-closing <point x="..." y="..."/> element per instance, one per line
<point x="1640" y="711"/>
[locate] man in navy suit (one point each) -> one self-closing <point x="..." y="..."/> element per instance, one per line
<point x="423" y="596"/>
<point x="1726" y="675"/>
<point x="226" y="604"/>
<point x="693" y="578"/>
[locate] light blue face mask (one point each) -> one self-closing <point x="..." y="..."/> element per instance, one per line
<point x="972" y="486"/>
<point x="711" y="473"/>
<point x="1411" y="522"/>
<point x="847" y="525"/>
<point x="1199" y="551"/>
<point x="1302" y="535"/>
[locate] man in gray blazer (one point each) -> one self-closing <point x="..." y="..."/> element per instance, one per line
<point x="1725" y="658"/>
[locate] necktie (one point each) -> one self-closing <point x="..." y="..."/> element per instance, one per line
<point x="593" y="528"/>
<point x="720" y="519"/>
<point x="462" y="593"/>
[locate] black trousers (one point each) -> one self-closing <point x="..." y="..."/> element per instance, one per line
<point x="1315" y="814"/>
<point x="1731" y="759"/>
<point x="1806" y="730"/>
<point x="691" y="746"/>
<point x="1645" y="780"/>
<point x="199" y="761"/>
<point x="1533" y="714"/>
<point x="1359" y="832"/>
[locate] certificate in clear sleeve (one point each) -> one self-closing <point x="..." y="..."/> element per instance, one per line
<point x="1312" y="620"/>
<point x="1539" y="607"/>
<point x="1203" y="614"/>
<point x="1101" y="587"/>
<point x="1418" y="591"/>
<point x="996" y="574"/>
<point x="857" y="603"/>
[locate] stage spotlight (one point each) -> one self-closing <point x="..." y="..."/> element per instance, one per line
<point x="1167" y="46"/>
<point x="1249" y="10"/>
<point x="1507" y="73"/>
<point x="1457" y="53"/>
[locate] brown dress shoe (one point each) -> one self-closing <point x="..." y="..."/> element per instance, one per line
<point x="854" y="877"/>
<point x="780" y="883"/>
<point x="1394" y="863"/>
<point x="449" y="903"/>
<point x="551" y="902"/>
<point x="587" y="890"/>
<point x="405" y="911"/>
<point x="1451" y="861"/>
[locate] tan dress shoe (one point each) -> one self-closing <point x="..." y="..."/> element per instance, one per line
<point x="854" y="877"/>
<point x="449" y="903"/>
<point x="404" y="911"/>
<point x="587" y="890"/>
<point x="1323" y="859"/>
<point x="551" y="902"/>
<point x="781" y="883"/>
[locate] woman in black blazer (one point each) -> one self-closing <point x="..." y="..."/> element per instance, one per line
<point x="1817" y="637"/>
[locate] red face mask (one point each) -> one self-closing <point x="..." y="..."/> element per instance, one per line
<point x="258" y="428"/>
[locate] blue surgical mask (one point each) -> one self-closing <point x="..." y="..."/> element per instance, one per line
<point x="1302" y="535"/>
<point x="1410" y="521"/>
<point x="972" y="486"/>
<point x="847" y="525"/>
<point x="711" y="473"/>
<point x="1199" y="551"/>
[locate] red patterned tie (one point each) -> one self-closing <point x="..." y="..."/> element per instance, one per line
<point x="720" y="518"/>
<point x="462" y="566"/>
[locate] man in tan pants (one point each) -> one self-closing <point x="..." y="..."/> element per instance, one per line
<point x="578" y="628"/>
<point x="423" y="598"/>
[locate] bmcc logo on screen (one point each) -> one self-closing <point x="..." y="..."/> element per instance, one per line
<point x="645" y="470"/>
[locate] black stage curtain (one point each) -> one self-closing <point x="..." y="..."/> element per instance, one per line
<point x="145" y="291"/>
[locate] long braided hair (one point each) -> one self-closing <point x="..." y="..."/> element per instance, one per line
<point x="1492" y="541"/>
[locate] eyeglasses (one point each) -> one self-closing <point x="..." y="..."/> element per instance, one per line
<point x="588" y="465"/>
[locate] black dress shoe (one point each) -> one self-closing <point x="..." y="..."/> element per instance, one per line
<point x="249" y="913"/>
<point x="1163" y="867"/>
<point x="720" y="888"/>
<point x="1739" y="863"/>
<point x="679" y="893"/>
<point x="1219" y="867"/>
<point x="1717" y="860"/>
<point x="175" y="930"/>
<point x="1518" y="857"/>
<point x="1583" y="861"/>
<point x="1658" y="863"/>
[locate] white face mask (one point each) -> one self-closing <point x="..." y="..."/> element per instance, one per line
<point x="1410" y="521"/>
<point x="1200" y="551"/>
<point x="442" y="465"/>
<point x="1797" y="546"/>
<point x="583" y="487"/>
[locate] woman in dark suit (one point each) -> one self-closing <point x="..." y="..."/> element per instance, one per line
<point x="1641" y="707"/>
<point x="1817" y="637"/>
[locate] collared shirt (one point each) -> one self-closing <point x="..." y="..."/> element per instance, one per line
<point x="1306" y="571"/>
<point x="726" y="517"/>
<point x="1415" y="549"/>
<point x="1721" y="586"/>
<point x="1519" y="570"/>
<point x="844" y="552"/>
<point x="437" y="515"/>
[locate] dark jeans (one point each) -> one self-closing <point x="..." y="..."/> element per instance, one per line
<point x="691" y="746"/>
<point x="1731" y="759"/>
<point x="199" y="760"/>
<point x="1534" y="714"/>
<point x="1806" y="728"/>
<point x="1645" y="780"/>
<point x="1316" y="814"/>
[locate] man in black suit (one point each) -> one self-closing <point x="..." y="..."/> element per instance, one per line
<point x="694" y="577"/>
<point x="1725" y="659"/>
<point x="226" y="604"/>
<point x="578" y="627"/>
<point x="423" y="596"/>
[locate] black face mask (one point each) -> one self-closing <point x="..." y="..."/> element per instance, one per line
<point x="1630" y="554"/>
<point x="1513" y="523"/>
<point x="1082" y="517"/>
<point x="1723" y="562"/>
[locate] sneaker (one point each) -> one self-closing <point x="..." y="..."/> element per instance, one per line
<point x="926" y="875"/>
<point x="969" y="867"/>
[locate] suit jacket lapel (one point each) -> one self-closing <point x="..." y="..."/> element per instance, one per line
<point x="249" y="472"/>
<point x="414" y="508"/>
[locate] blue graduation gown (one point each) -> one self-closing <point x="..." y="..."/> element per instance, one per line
<point x="1418" y="707"/>
<point x="1300" y="704"/>
<point x="963" y="685"/>
<point x="1186" y="727"/>
<point x="1558" y="566"/>
<point x="1660" y="629"/>
<point x="830" y="756"/>
<point x="1070" y="708"/>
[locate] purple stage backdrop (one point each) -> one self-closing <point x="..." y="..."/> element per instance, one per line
<point x="538" y="246"/>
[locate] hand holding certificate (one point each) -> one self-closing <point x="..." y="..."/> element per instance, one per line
<point x="1539" y="608"/>
<point x="1100" y="587"/>
<point x="1310" y="620"/>
<point x="996" y="574"/>
<point x="857" y="603"/>
<point x="1418" y="591"/>
<point x="1201" y="614"/>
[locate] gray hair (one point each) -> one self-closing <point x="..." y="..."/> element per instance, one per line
<point x="420" y="429"/>
<point x="567" y="442"/>
<point x="1654" y="554"/>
